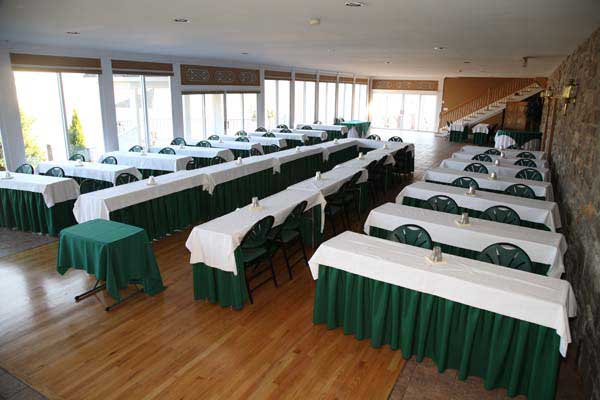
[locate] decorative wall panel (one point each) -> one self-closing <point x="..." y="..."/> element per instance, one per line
<point x="206" y="75"/>
<point x="391" y="84"/>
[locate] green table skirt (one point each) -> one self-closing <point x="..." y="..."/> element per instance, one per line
<point x="506" y="352"/>
<point x="411" y="201"/>
<point x="520" y="137"/>
<point x="480" y="138"/>
<point x="240" y="153"/>
<point x="362" y="127"/>
<point x="291" y="143"/>
<point x="457" y="136"/>
<point x="146" y="173"/>
<point x="538" y="268"/>
<point x="298" y="170"/>
<point x="27" y="211"/>
<point x="331" y="135"/>
<point x="483" y="189"/>
<point x="229" y="290"/>
<point x="342" y="156"/>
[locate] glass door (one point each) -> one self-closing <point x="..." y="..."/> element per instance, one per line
<point x="398" y="110"/>
<point x="241" y="112"/>
<point x="203" y="116"/>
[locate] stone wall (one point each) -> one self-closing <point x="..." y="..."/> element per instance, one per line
<point x="576" y="176"/>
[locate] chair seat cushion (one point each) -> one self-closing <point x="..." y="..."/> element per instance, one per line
<point x="252" y="254"/>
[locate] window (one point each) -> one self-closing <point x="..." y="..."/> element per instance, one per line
<point x="304" y="101"/>
<point x="60" y="115"/>
<point x="326" y="102"/>
<point x="361" y="108"/>
<point x="241" y="112"/>
<point x="277" y="102"/>
<point x="345" y="101"/>
<point x="143" y="108"/>
<point x="404" y="110"/>
<point x="203" y="115"/>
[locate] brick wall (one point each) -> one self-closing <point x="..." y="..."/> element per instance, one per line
<point x="576" y="176"/>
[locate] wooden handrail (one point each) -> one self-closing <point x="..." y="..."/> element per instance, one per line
<point x="491" y="96"/>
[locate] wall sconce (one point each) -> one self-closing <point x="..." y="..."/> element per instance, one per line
<point x="569" y="93"/>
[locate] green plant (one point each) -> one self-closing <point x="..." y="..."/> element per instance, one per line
<point x="75" y="134"/>
<point x="33" y="152"/>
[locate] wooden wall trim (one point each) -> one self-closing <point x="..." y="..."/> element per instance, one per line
<point x="393" y="84"/>
<point x="327" y="78"/>
<point x="222" y="76"/>
<point x="37" y="62"/>
<point x="141" y="68"/>
<point x="346" y="79"/>
<point x="301" y="76"/>
<point x="362" y="81"/>
<point x="281" y="75"/>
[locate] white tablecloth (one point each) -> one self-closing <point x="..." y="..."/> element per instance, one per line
<point x="373" y="155"/>
<point x="542" y="247"/>
<point x="481" y="128"/>
<point x="233" y="145"/>
<point x="377" y="144"/>
<point x="501" y="171"/>
<point x="538" y="211"/>
<point x="457" y="126"/>
<point x="257" y="139"/>
<point x="316" y="133"/>
<point x="214" y="243"/>
<point x="330" y="181"/>
<point x="510" y="153"/>
<point x="198" y="152"/>
<point x="288" y="136"/>
<point x="285" y="156"/>
<point x="90" y="170"/>
<point x="506" y="162"/>
<point x="160" y="162"/>
<point x="53" y="190"/>
<point x="446" y="175"/>
<point x="333" y="147"/>
<point x="529" y="297"/>
<point x="324" y="127"/>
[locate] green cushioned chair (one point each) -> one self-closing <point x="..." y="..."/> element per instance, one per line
<point x="204" y="143"/>
<point x="91" y="185"/>
<point x="242" y="139"/>
<point x="213" y="137"/>
<point x="125" y="178"/>
<point x="520" y="190"/>
<point x="269" y="134"/>
<point x="494" y="152"/>
<point x="190" y="165"/>
<point x="502" y="214"/>
<point x="56" y="172"/>
<point x="442" y="203"/>
<point x="260" y="129"/>
<point x="285" y="130"/>
<point x="76" y="157"/>
<point x="412" y="235"/>
<point x="482" y="157"/>
<point x="396" y="139"/>
<point x="110" y="160"/>
<point x="529" y="173"/>
<point x="166" y="150"/>
<point x="526" y="162"/>
<point x="136" y="149"/>
<point x="307" y="127"/>
<point x="340" y="201"/>
<point x="476" y="167"/>
<point x="507" y="255"/>
<point x="373" y="137"/>
<point x="270" y="148"/>
<point x="513" y="147"/>
<point x="217" y="160"/>
<point x="241" y="133"/>
<point x="256" y="248"/>
<point x="178" y="141"/>
<point x="255" y="152"/>
<point x="526" y="154"/>
<point x="465" y="182"/>
<point x="25" y="169"/>
<point x="376" y="177"/>
<point x="282" y="126"/>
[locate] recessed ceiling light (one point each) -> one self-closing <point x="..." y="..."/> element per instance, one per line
<point x="244" y="53"/>
<point x="354" y="4"/>
<point x="72" y="33"/>
<point x="439" y="48"/>
<point x="181" y="20"/>
<point x="466" y="62"/>
<point x="388" y="62"/>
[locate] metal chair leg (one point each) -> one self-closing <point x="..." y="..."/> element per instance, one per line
<point x="287" y="261"/>
<point x="303" y="250"/>
<point x="248" y="286"/>
<point x="273" y="271"/>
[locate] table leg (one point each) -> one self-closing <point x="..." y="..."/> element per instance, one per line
<point x="118" y="303"/>
<point x="90" y="292"/>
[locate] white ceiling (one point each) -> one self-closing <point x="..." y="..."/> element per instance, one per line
<point x="493" y="34"/>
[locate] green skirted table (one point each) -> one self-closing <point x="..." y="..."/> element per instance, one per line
<point x="361" y="128"/>
<point x="147" y="173"/>
<point x="521" y="138"/>
<point x="341" y="156"/>
<point x="115" y="253"/>
<point x="480" y="138"/>
<point x="298" y="170"/>
<point x="458" y="136"/>
<point x="480" y="188"/>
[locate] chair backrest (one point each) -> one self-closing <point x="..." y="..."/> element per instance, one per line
<point x="76" y="157"/>
<point x="412" y="235"/>
<point x="396" y="139"/>
<point x="526" y="154"/>
<point x="507" y="255"/>
<point x="371" y="167"/>
<point x="136" y="149"/>
<point x="307" y="127"/>
<point x="110" y="160"/>
<point x="260" y="129"/>
<point x="465" y="182"/>
<point x="494" y="152"/>
<point x="241" y="133"/>
<point x="526" y="162"/>
<point x="443" y="204"/>
<point x="285" y="130"/>
<point x="89" y="185"/>
<point x="282" y="126"/>
<point x="529" y="173"/>
<point x="476" y="167"/>
<point x="190" y="165"/>
<point x="255" y="152"/>
<point x="125" y="178"/>
<point x="293" y="220"/>
<point x="166" y="150"/>
<point x="269" y="134"/>
<point x="513" y="147"/>
<point x="520" y="190"/>
<point x="242" y="139"/>
<point x="257" y="235"/>
<point x="213" y="137"/>
<point x="203" y="143"/>
<point x="217" y="160"/>
<point x="354" y="180"/>
<point x="56" y="171"/>
<point x="25" y="169"/>
<point x="178" y="141"/>
<point x="373" y="137"/>
<point x="482" y="157"/>
<point x="503" y="214"/>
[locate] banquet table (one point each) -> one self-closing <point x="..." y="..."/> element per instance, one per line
<point x="458" y="133"/>
<point x="407" y="155"/>
<point x="500" y="170"/>
<point x="203" y="156"/>
<point x="357" y="129"/>
<point x="522" y="139"/>
<point x="545" y="249"/>
<point x="336" y="153"/>
<point x="294" y="165"/>
<point x="263" y="141"/>
<point x="37" y="203"/>
<point x="90" y="170"/>
<point x="505" y="162"/>
<point x="150" y="163"/>
<point x="314" y="135"/>
<point x="445" y="176"/>
<point x="509" y="153"/>
<point x="534" y="213"/>
<point x="115" y="253"/>
<point x="292" y="139"/>
<point x="480" y="134"/>
<point x="218" y="272"/>
<point x="239" y="149"/>
<point x="333" y="131"/>
<point x="506" y="326"/>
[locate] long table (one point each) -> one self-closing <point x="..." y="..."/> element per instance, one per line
<point x="314" y="135"/>
<point x="506" y="326"/>
<point x="292" y="139"/>
<point x="90" y="170"/>
<point x="357" y="129"/>
<point x="506" y="162"/>
<point x="239" y="149"/>
<point x="522" y="139"/>
<point x="502" y="171"/>
<point x="202" y="156"/>
<point x="150" y="163"/>
<point x="510" y="153"/>
<point x="333" y="131"/>
<point x="262" y="140"/>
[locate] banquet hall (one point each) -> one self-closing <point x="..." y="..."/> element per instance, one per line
<point x="278" y="200"/>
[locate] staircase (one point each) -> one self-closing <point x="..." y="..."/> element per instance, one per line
<point x="492" y="102"/>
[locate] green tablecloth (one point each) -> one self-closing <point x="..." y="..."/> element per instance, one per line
<point x="146" y="173"/>
<point x="521" y="137"/>
<point x="458" y="136"/>
<point x="229" y="290"/>
<point x="483" y="189"/>
<point x="116" y="253"/>
<point x="298" y="170"/>
<point x="520" y="356"/>
<point x="538" y="268"/>
<point x="27" y="211"/>
<point x="361" y="126"/>
<point x="411" y="201"/>
<point x="480" y="138"/>
<point x="341" y="156"/>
